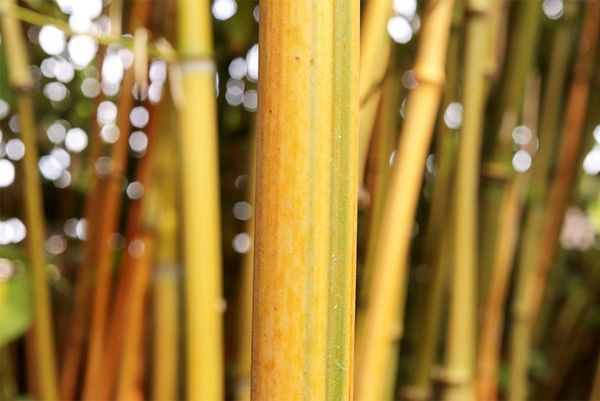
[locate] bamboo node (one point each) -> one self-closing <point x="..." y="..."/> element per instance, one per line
<point x="425" y="74"/>
<point x="415" y="393"/>
<point x="452" y="377"/>
<point x="497" y="171"/>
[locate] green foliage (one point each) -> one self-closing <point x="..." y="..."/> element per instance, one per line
<point x="16" y="309"/>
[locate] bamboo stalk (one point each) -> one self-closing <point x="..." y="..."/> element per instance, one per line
<point x="162" y="207"/>
<point x="200" y="185"/>
<point x="437" y="232"/>
<point x="498" y="171"/>
<point x="378" y="174"/>
<point x="460" y="350"/>
<point x="382" y="322"/>
<point x="492" y="313"/>
<point x="375" y="45"/>
<point x="303" y="321"/>
<point x="133" y="333"/>
<point x="533" y="282"/>
<point x="22" y="83"/>
<point x="495" y="36"/>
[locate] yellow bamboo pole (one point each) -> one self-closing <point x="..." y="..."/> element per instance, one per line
<point x="375" y="45"/>
<point x="22" y="83"/>
<point x="200" y="186"/>
<point x="438" y="233"/>
<point x="462" y="337"/>
<point x="307" y="140"/>
<point x="380" y="327"/>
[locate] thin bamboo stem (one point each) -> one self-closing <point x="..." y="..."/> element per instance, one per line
<point x="162" y="208"/>
<point x="21" y="82"/>
<point x="381" y="326"/>
<point x="378" y="174"/>
<point x="462" y="332"/>
<point x="303" y="321"/>
<point x="492" y="313"/>
<point x="497" y="171"/>
<point x="200" y="185"/>
<point x="375" y="45"/>
<point x="437" y="234"/>
<point x="488" y="362"/>
<point x="133" y="333"/>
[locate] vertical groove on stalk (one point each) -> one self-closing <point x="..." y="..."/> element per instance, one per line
<point x="462" y="337"/>
<point x="21" y="82"/>
<point x="343" y="200"/>
<point x="305" y="201"/>
<point x="381" y="326"/>
<point x="200" y="186"/>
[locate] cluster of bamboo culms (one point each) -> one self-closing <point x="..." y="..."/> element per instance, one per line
<point x="352" y="133"/>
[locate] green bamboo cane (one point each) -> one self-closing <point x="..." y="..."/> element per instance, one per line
<point x="460" y="351"/>
<point x="22" y="83"/>
<point x="498" y="145"/>
<point x="162" y="208"/>
<point x="378" y="173"/>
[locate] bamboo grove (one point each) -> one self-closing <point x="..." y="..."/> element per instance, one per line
<point x="303" y="200"/>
